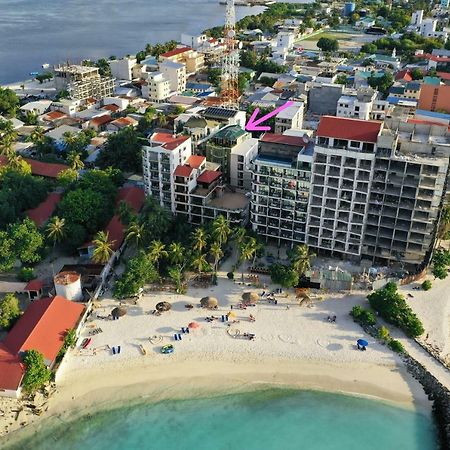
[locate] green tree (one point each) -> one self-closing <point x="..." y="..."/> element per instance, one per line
<point x="75" y="161"/>
<point x="370" y="49"/>
<point x="176" y="275"/>
<point x="248" y="58"/>
<point x="383" y="83"/>
<point x="135" y="233"/>
<point x="156" y="252"/>
<point x="199" y="263"/>
<point x="416" y="74"/>
<point x="199" y="240"/>
<point x="427" y="285"/>
<point x="342" y="79"/>
<point x="247" y="250"/>
<point x="439" y="271"/>
<point x="328" y="44"/>
<point x="383" y="333"/>
<point x="176" y="253"/>
<point x="301" y="259"/>
<point x="103" y="247"/>
<point x="221" y="230"/>
<point x="126" y="213"/>
<point x="283" y="275"/>
<point x="396" y="346"/>
<point x="67" y="177"/>
<point x="28" y="241"/>
<point x="9" y="102"/>
<point x="37" y="136"/>
<point x="36" y="372"/>
<point x="217" y="253"/>
<point x="56" y="229"/>
<point x="8" y="137"/>
<point x="9" y="311"/>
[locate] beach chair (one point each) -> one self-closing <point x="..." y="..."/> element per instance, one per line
<point x="118" y="349"/>
<point x="113" y="350"/>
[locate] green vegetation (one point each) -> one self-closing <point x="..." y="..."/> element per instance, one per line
<point x="363" y="316"/>
<point x="9" y="102"/>
<point x="44" y="77"/>
<point x="396" y="346"/>
<point x="36" y="372"/>
<point x="26" y="274"/>
<point x="383" y="334"/>
<point x="70" y="340"/>
<point x="441" y="262"/>
<point x="9" y="311"/>
<point x="427" y="285"/>
<point x="328" y="45"/>
<point x="283" y="275"/>
<point x="103" y="248"/>
<point x="393" y="308"/>
<point x="259" y="64"/>
<point x="383" y="83"/>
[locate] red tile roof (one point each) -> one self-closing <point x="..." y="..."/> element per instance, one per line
<point x="444" y="75"/>
<point x="195" y="161"/>
<point x="183" y="171"/>
<point x="176" y="51"/>
<point x="43" y="325"/>
<point x="34" y="285"/>
<point x="43" y="211"/>
<point x="168" y="140"/>
<point x="111" y="107"/>
<point x="403" y="75"/>
<point x="54" y="115"/>
<point x="39" y="168"/>
<point x="428" y="122"/>
<point x="101" y="120"/>
<point x="208" y="176"/>
<point x="283" y="139"/>
<point x="350" y="129"/>
<point x="11" y="370"/>
<point x="124" y="122"/>
<point x="134" y="196"/>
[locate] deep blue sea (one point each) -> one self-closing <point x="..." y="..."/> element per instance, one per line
<point x="33" y="32"/>
<point x="265" y="420"/>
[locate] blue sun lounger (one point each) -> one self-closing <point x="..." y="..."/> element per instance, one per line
<point x="113" y="350"/>
<point x="118" y="349"/>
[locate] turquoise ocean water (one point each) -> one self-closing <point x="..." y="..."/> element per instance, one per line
<point x="265" y="420"/>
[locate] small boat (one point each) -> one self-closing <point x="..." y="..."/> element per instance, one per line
<point x="166" y="349"/>
<point x="143" y="350"/>
<point x="86" y="342"/>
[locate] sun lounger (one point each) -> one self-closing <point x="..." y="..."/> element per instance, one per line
<point x="113" y="350"/>
<point x="118" y="349"/>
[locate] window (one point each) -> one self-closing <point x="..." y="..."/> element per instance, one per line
<point x="354" y="144"/>
<point x="240" y="158"/>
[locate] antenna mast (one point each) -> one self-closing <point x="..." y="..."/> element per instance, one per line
<point x="230" y="63"/>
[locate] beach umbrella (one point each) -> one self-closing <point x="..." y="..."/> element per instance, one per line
<point x="250" y="297"/>
<point x="194" y="325"/>
<point x="163" y="306"/>
<point x="119" y="311"/>
<point x="306" y="300"/>
<point x="362" y="342"/>
<point x="231" y="315"/>
<point x="209" y="302"/>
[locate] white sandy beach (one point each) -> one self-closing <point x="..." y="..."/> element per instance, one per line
<point x="294" y="346"/>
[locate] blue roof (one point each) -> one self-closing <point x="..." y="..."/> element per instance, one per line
<point x="198" y="86"/>
<point x="432" y="80"/>
<point x="436" y="115"/>
<point x="397" y="100"/>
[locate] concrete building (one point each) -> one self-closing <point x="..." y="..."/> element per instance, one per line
<point x="225" y="116"/>
<point x="160" y="159"/>
<point x="122" y="69"/>
<point x="285" y="40"/>
<point x="323" y="98"/>
<point x="291" y="117"/>
<point x="194" y="41"/>
<point x="82" y="82"/>
<point x="156" y="88"/>
<point x="241" y="157"/>
<point x="435" y="97"/>
<point x="193" y="60"/>
<point x="417" y="18"/>
<point x="281" y="175"/>
<point x="357" y="104"/>
<point x="175" y="73"/>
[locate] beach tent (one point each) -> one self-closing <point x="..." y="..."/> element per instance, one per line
<point x="250" y="297"/>
<point x="209" y="302"/>
<point x="163" y="306"/>
<point x="119" y="311"/>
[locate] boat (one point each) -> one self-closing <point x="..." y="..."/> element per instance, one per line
<point x="86" y="342"/>
<point x="166" y="349"/>
<point x="143" y="350"/>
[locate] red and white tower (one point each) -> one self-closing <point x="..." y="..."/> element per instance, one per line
<point x="230" y="63"/>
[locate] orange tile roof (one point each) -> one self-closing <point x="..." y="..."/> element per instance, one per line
<point x="183" y="171"/>
<point x="282" y="139"/>
<point x="43" y="169"/>
<point x="34" y="285"/>
<point x="11" y="369"/>
<point x="195" y="161"/>
<point x="54" y="115"/>
<point x="350" y="129"/>
<point x="44" y="210"/>
<point x="176" y="51"/>
<point x="111" y="107"/>
<point x="124" y="122"/>
<point x="168" y="140"/>
<point x="43" y="325"/>
<point x="208" y="176"/>
<point x="101" y="120"/>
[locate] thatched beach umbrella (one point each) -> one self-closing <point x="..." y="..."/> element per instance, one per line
<point x="163" y="306"/>
<point x="250" y="297"/>
<point x="231" y="315"/>
<point x="209" y="302"/>
<point x="305" y="301"/>
<point x="194" y="325"/>
<point x="119" y="311"/>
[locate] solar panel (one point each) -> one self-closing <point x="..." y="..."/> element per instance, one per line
<point x="220" y="113"/>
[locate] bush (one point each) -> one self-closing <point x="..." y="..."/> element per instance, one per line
<point x="230" y="275"/>
<point x="286" y="276"/>
<point x="426" y="285"/>
<point x="396" y="346"/>
<point x="363" y="316"/>
<point x="439" y="271"/>
<point x="36" y="372"/>
<point x="383" y="333"/>
<point x="394" y="309"/>
<point x="70" y="339"/>
<point x="9" y="311"/>
<point x="26" y="274"/>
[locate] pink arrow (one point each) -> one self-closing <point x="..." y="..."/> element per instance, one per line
<point x="253" y="125"/>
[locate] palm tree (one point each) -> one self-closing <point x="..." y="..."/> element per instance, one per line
<point x="239" y="236"/>
<point x="221" y="230"/>
<point x="301" y="259"/>
<point x="135" y="232"/>
<point x="217" y="253"/>
<point x="246" y="251"/>
<point x="176" y="253"/>
<point x="37" y="136"/>
<point x="199" y="240"/>
<point x="103" y="248"/>
<point x="445" y="221"/>
<point x="8" y="137"/>
<point x="15" y="162"/>
<point x="199" y="262"/>
<point x="74" y="159"/>
<point x="156" y="252"/>
<point x="176" y="274"/>
<point x="55" y="229"/>
<point x="162" y="120"/>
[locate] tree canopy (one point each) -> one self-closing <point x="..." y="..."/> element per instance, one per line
<point x="328" y="44"/>
<point x="9" y="102"/>
<point x="9" y="311"/>
<point x="36" y="372"/>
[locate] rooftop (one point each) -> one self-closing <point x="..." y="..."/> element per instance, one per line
<point x="230" y="200"/>
<point x="176" y="51"/>
<point x="39" y="168"/>
<point x="230" y="133"/>
<point x="195" y="161"/>
<point x="167" y="140"/>
<point x="44" y="210"/>
<point x="219" y="113"/>
<point x="183" y="171"/>
<point x="209" y="176"/>
<point x="283" y="139"/>
<point x="350" y="129"/>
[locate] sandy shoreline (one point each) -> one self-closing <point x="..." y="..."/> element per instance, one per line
<point x="91" y="390"/>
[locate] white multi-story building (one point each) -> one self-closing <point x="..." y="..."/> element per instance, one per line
<point x="290" y="117"/>
<point x="194" y="41"/>
<point x="285" y="40"/>
<point x="122" y="69"/>
<point x="156" y="88"/>
<point x="176" y="74"/>
<point x="160" y="159"/>
<point x="241" y="157"/>
<point x="417" y="18"/>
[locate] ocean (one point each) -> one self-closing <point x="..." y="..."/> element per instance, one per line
<point x="34" y="32"/>
<point x="276" y="419"/>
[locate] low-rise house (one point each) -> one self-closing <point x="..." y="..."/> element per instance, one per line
<point x="99" y="123"/>
<point x="291" y="117"/>
<point x="122" y="122"/>
<point x="38" y="107"/>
